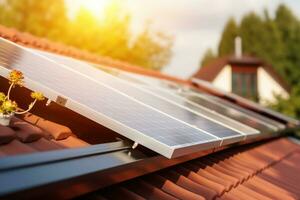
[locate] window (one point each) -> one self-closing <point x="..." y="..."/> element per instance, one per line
<point x="245" y="84"/>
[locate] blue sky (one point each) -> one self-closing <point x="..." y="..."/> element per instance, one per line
<point x="195" y="24"/>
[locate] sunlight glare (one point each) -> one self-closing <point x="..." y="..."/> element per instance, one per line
<point x="96" y="7"/>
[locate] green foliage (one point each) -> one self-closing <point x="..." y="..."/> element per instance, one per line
<point x="275" y="40"/>
<point x="208" y="56"/>
<point x="110" y="35"/>
<point x="45" y="18"/>
<point x="289" y="27"/>
<point x="289" y="106"/>
<point x="226" y="45"/>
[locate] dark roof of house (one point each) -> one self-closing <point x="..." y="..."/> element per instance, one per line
<point x="268" y="170"/>
<point x="261" y="170"/>
<point x="210" y="71"/>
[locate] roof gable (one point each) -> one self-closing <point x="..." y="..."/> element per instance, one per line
<point x="209" y="72"/>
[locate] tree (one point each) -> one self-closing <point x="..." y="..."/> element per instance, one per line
<point x="290" y="106"/>
<point x="275" y="40"/>
<point x="45" y="18"/>
<point x="261" y="38"/>
<point x="289" y="28"/>
<point x="208" y="56"/>
<point x="226" y="45"/>
<point x="110" y="35"/>
<point x="151" y="49"/>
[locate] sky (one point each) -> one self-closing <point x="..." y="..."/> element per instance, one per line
<point x="195" y="24"/>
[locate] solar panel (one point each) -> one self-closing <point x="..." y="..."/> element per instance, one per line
<point x="264" y="124"/>
<point x="203" y="103"/>
<point x="171" y="95"/>
<point x="239" y="127"/>
<point x="228" y="135"/>
<point x="102" y="103"/>
<point x="251" y="104"/>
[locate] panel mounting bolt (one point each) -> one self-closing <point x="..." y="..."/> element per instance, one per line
<point x="135" y="145"/>
<point x="48" y="102"/>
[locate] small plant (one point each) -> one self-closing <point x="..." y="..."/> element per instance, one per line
<point x="8" y="107"/>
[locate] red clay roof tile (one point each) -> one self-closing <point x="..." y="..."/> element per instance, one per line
<point x="25" y="132"/>
<point x="44" y="145"/>
<point x="275" y="176"/>
<point x="148" y="191"/>
<point x="71" y="142"/>
<point x="16" y="147"/>
<point x="171" y="188"/>
<point x="22" y="137"/>
<point x="6" y="134"/>
<point x="57" y="131"/>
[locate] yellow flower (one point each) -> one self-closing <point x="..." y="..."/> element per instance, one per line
<point x="2" y="97"/>
<point x="37" y="95"/>
<point x="16" y="77"/>
<point x="8" y="107"/>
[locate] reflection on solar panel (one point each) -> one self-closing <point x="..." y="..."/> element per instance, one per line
<point x="243" y="129"/>
<point x="104" y="104"/>
<point x="227" y="134"/>
<point x="254" y="106"/>
<point x="172" y="96"/>
<point x="203" y="103"/>
<point x="265" y="125"/>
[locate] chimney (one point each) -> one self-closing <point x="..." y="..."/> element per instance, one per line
<point x="238" y="47"/>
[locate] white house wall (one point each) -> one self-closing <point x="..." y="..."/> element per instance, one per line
<point x="223" y="79"/>
<point x="267" y="87"/>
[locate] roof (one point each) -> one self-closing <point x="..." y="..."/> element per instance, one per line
<point x="209" y="72"/>
<point x="31" y="133"/>
<point x="268" y="170"/>
<point x="261" y="170"/>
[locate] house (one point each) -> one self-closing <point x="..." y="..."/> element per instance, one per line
<point x="246" y="76"/>
<point x="55" y="152"/>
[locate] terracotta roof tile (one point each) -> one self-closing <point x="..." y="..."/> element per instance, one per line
<point x="57" y="131"/>
<point x="71" y="142"/>
<point x="264" y="171"/>
<point x="171" y="187"/>
<point x="44" y="145"/>
<point x="148" y="191"/>
<point x="23" y="137"/>
<point x="16" y="147"/>
<point x="6" y="135"/>
<point x="25" y="132"/>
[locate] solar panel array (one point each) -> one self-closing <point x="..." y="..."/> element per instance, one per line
<point x="163" y="121"/>
<point x="228" y="135"/>
<point x="266" y="125"/>
<point x="102" y="103"/>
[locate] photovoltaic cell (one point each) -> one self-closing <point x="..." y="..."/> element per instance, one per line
<point x="127" y="116"/>
<point x="246" y="130"/>
<point x="265" y="125"/>
<point x="203" y="104"/>
<point x="271" y="113"/>
<point x="205" y="124"/>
